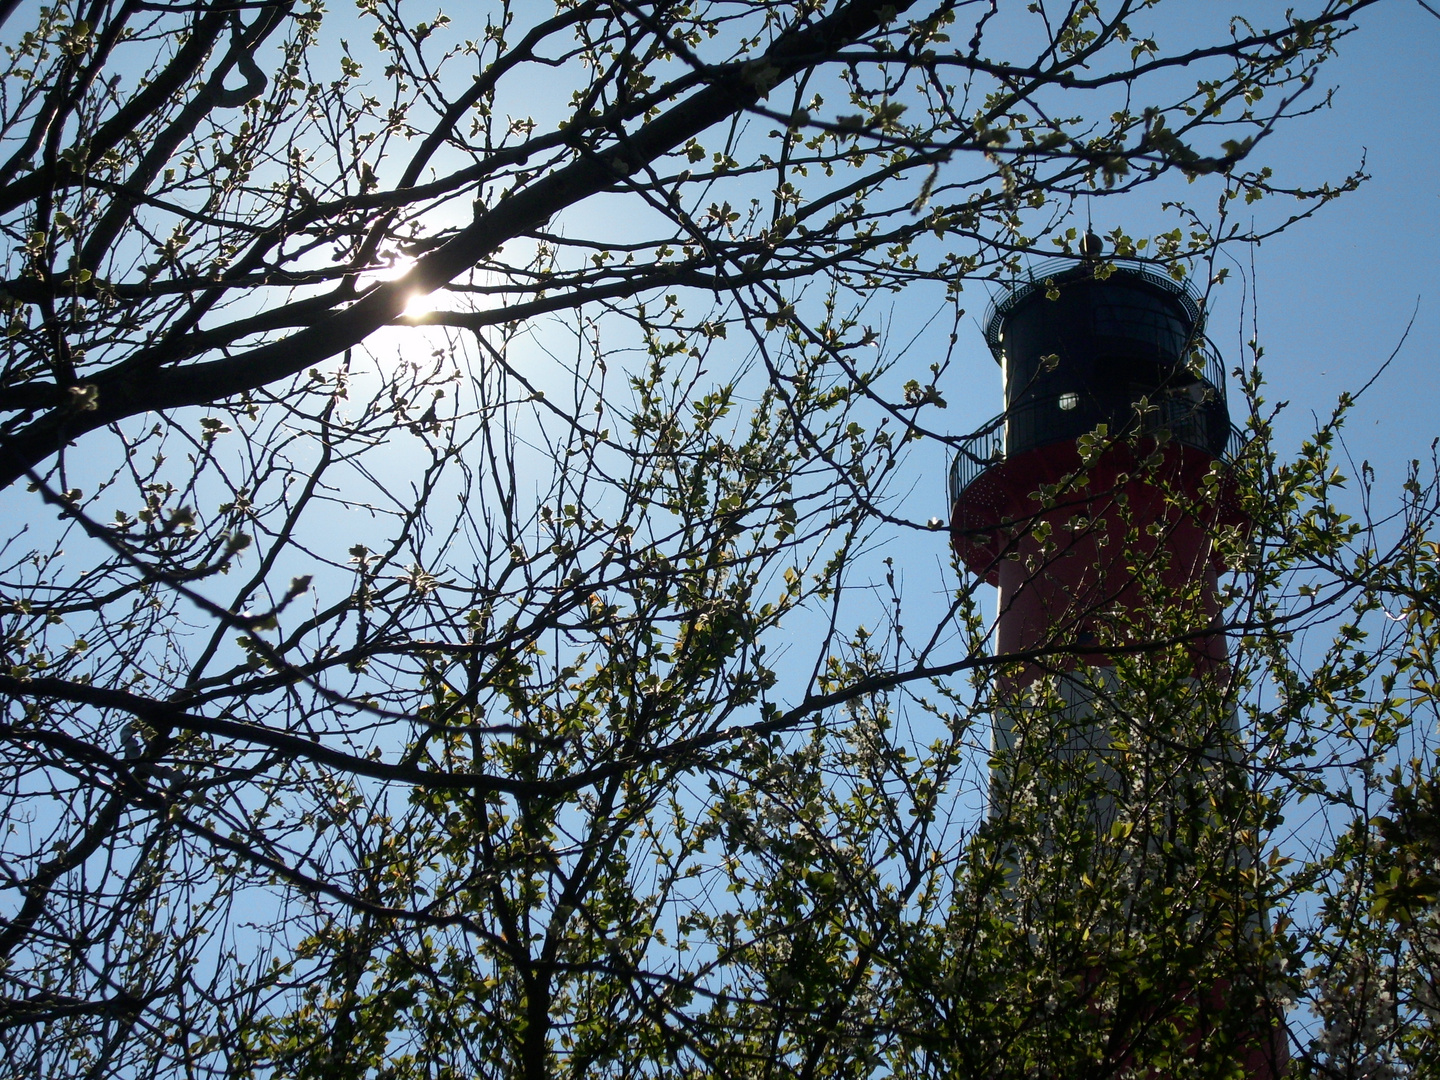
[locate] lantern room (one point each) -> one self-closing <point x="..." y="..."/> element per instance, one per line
<point x="1094" y="342"/>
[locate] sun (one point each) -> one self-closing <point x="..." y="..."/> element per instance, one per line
<point x="395" y="267"/>
<point x="420" y="303"/>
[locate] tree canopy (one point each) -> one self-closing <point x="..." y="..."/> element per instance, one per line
<point x="465" y="492"/>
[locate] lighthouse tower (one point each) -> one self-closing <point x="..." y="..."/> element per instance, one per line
<point x="1093" y="503"/>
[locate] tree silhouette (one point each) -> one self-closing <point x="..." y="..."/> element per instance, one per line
<point x="452" y="605"/>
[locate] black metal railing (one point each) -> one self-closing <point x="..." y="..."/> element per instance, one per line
<point x="1065" y="417"/>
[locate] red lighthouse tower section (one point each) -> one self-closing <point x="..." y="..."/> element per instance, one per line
<point x="1094" y="500"/>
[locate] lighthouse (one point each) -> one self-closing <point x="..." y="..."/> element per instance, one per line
<point x="1094" y="503"/>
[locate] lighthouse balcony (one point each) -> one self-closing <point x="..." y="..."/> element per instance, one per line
<point x="1193" y="415"/>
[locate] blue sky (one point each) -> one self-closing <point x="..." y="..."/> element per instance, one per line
<point x="1335" y="293"/>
